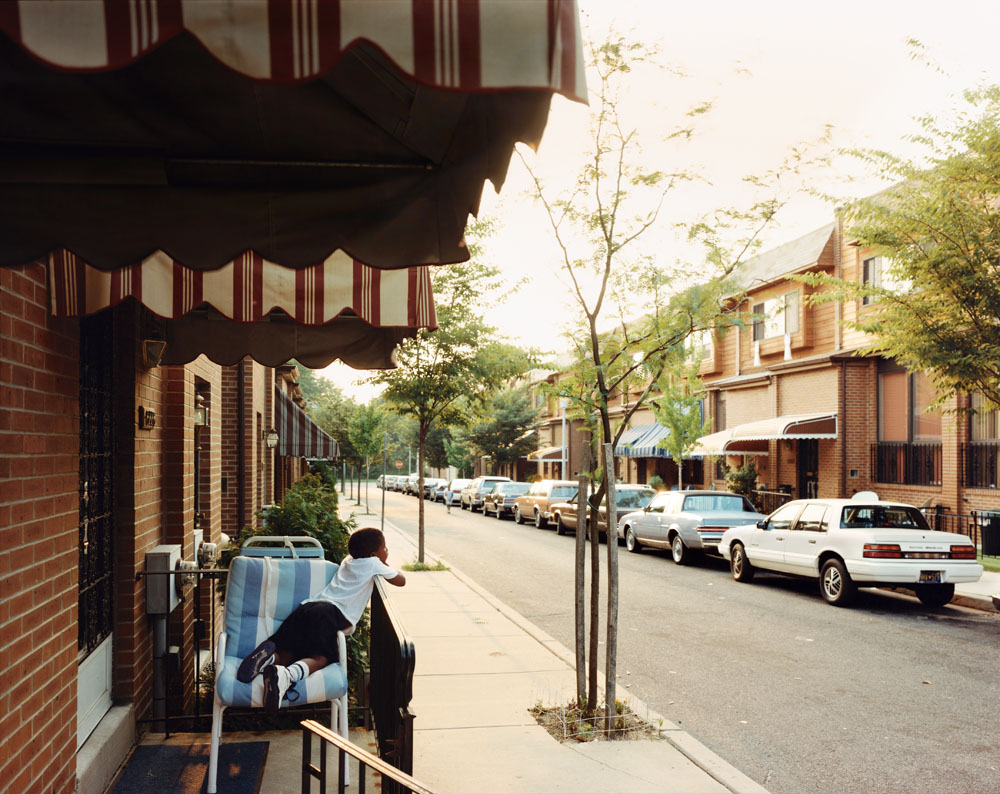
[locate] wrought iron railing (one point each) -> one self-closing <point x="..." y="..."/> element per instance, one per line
<point x="906" y="463"/>
<point x="391" y="661"/>
<point x="982" y="526"/>
<point x="981" y="464"/>
<point x="399" y="781"/>
<point x="767" y="502"/>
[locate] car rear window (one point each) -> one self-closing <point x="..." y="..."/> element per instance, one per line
<point x="633" y="499"/>
<point x="716" y="502"/>
<point x="871" y="516"/>
<point x="562" y="491"/>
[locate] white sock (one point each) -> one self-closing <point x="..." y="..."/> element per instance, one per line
<point x="297" y="671"/>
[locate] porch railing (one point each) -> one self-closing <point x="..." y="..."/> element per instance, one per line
<point x="391" y="661"/>
<point x="767" y="502"/>
<point x="981" y="464"/>
<point x="982" y="526"/>
<point x="906" y="463"/>
<point x="400" y="780"/>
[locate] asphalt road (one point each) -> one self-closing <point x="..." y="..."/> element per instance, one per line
<point x="887" y="696"/>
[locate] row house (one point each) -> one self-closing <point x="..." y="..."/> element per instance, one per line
<point x="792" y="392"/>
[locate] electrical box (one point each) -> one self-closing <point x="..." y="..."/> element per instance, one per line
<point x="161" y="592"/>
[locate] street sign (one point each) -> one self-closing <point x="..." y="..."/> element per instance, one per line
<point x="399" y="464"/>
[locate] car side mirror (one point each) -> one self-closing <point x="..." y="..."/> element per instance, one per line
<point x="762" y="524"/>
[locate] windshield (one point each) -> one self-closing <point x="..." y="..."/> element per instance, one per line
<point x="701" y="503"/>
<point x="562" y="491"/>
<point x="896" y="517"/>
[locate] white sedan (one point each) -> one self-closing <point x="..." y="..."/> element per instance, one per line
<point x="845" y="543"/>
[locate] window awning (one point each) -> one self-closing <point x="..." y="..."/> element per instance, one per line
<point x="298" y="435"/>
<point x="751" y="438"/>
<point x="285" y="129"/>
<point x="546" y="453"/>
<point x="624" y="446"/>
<point x="338" y="309"/>
<point x="640" y="442"/>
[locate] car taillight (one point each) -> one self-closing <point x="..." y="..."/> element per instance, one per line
<point x="882" y="550"/>
<point x="964" y="552"/>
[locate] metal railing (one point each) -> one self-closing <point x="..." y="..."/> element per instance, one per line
<point x="399" y="781"/>
<point x="767" y="502"/>
<point x="982" y="526"/>
<point x="981" y="464"/>
<point x="391" y="661"/>
<point x="905" y="463"/>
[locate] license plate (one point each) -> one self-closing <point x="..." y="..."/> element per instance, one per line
<point x="930" y="577"/>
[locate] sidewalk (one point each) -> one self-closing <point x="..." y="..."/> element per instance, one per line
<point x="481" y="666"/>
<point x="978" y="595"/>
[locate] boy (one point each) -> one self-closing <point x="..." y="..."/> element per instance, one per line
<point x="307" y="640"/>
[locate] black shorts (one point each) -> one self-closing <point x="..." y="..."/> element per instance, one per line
<point x="311" y="630"/>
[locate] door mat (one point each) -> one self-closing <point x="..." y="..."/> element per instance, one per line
<point x="183" y="769"/>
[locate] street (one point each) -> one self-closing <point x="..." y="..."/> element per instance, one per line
<point x="887" y="696"/>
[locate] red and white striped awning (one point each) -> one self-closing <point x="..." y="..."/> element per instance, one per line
<point x="298" y="435"/>
<point x="338" y="309"/>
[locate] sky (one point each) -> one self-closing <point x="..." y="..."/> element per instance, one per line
<point x="778" y="73"/>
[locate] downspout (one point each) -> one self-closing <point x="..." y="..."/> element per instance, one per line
<point x="843" y="428"/>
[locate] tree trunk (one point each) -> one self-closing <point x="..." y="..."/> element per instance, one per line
<point x="611" y="648"/>
<point x="420" y="493"/>
<point x="595" y="608"/>
<point x="581" y="557"/>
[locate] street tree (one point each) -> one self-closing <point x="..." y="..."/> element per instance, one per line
<point x="459" y="450"/>
<point x="678" y="407"/>
<point x="367" y="437"/>
<point x="460" y="364"/>
<point x="599" y="226"/>
<point x="936" y="308"/>
<point x="506" y="430"/>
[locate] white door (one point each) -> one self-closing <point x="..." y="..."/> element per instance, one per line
<point x="93" y="690"/>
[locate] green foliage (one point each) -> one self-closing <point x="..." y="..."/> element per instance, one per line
<point x="743" y="479"/>
<point x="366" y="432"/>
<point x="656" y="483"/>
<point x="506" y="433"/>
<point x="679" y="409"/>
<point x="326" y="472"/>
<point x="435" y="449"/>
<point x="939" y="228"/>
<point x="458" y="448"/>
<point x="309" y="508"/>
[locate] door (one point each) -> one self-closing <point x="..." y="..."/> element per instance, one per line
<point x="649" y="526"/>
<point x="767" y="545"/>
<point x="808" y="466"/>
<point x="805" y="541"/>
<point x="96" y="530"/>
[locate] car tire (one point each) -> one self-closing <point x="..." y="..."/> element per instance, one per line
<point x="631" y="541"/>
<point x="540" y="522"/>
<point x="463" y="505"/>
<point x="499" y="514"/>
<point x="560" y="529"/>
<point x="934" y="595"/>
<point x="835" y="584"/>
<point x="680" y="553"/>
<point x="518" y="518"/>
<point x="739" y="564"/>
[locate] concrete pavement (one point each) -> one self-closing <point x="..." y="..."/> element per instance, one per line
<point x="481" y="667"/>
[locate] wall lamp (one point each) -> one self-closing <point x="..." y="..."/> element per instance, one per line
<point x="271" y="438"/>
<point x="152" y="352"/>
<point x="200" y="411"/>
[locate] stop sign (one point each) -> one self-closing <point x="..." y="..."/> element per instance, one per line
<point x="399" y="464"/>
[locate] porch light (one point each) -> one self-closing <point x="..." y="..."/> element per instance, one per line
<point x="271" y="438"/>
<point x="152" y="352"/>
<point x="200" y="411"/>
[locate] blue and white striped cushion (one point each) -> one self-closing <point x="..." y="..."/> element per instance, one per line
<point x="261" y="593"/>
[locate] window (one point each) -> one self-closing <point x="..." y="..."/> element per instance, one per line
<point x="813" y="519"/>
<point x="776" y="316"/>
<point x="784" y="517"/>
<point x="658" y="503"/>
<point x="984" y="422"/>
<point x="908" y="450"/>
<point x="875" y="273"/>
<point x="702" y="344"/>
<point x="981" y="456"/>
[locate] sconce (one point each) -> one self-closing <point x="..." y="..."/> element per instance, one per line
<point x="152" y="352"/>
<point x="200" y="411"/>
<point x="271" y="438"/>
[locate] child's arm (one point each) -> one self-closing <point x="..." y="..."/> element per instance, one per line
<point x="399" y="580"/>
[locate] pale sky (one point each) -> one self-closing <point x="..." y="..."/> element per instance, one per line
<point x="778" y="72"/>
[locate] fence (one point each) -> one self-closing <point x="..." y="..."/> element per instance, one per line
<point x="983" y="526"/>
<point x="981" y="463"/>
<point x="767" y="502"/>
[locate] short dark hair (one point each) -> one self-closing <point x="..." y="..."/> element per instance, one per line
<point x="365" y="542"/>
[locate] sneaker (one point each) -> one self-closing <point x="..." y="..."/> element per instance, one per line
<point x="253" y="665"/>
<point x="276" y="683"/>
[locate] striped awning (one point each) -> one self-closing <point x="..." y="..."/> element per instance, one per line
<point x="338" y="309"/>
<point x="298" y="435"/>
<point x="285" y="129"/>
<point x="546" y="453"/>
<point x="624" y="446"/>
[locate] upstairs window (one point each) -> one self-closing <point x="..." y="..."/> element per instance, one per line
<point x="777" y="316"/>
<point x="984" y="422"/>
<point x="875" y="273"/>
<point x="903" y="402"/>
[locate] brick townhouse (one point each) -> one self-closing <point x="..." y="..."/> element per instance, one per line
<point x="791" y="392"/>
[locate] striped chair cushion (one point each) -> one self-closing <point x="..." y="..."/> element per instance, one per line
<point x="261" y="593"/>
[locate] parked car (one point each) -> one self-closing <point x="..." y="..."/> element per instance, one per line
<point x="472" y="494"/>
<point x="437" y="495"/>
<point x="390" y="482"/>
<point x="536" y="504"/>
<point x="847" y="543"/>
<point x="430" y="485"/>
<point x="400" y="483"/>
<point x="628" y="497"/>
<point x="455" y="489"/>
<point x="686" y="522"/>
<point x="500" y="501"/>
<point x="380" y="482"/>
<point x="411" y="483"/>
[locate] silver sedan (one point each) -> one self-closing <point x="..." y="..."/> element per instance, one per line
<point x="686" y="522"/>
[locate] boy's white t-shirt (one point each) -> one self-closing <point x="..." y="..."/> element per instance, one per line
<point x="351" y="587"/>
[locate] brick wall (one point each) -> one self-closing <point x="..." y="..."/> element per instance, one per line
<point x="39" y="503"/>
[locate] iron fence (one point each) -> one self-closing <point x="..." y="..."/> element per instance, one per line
<point x="767" y="502"/>
<point x="981" y="464"/>
<point x="982" y="526"/>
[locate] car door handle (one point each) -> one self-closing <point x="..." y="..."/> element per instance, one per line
<point x="812" y="541"/>
<point x="779" y="539"/>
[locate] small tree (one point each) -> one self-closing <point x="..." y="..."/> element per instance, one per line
<point x="506" y="433"/>
<point x="367" y="436"/>
<point x="679" y="409"/>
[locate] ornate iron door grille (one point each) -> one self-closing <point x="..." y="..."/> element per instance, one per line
<point x="97" y="456"/>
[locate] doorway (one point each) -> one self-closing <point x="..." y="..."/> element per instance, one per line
<point x="808" y="468"/>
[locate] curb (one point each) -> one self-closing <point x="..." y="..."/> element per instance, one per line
<point x="696" y="752"/>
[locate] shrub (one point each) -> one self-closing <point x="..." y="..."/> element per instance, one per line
<point x="742" y="480"/>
